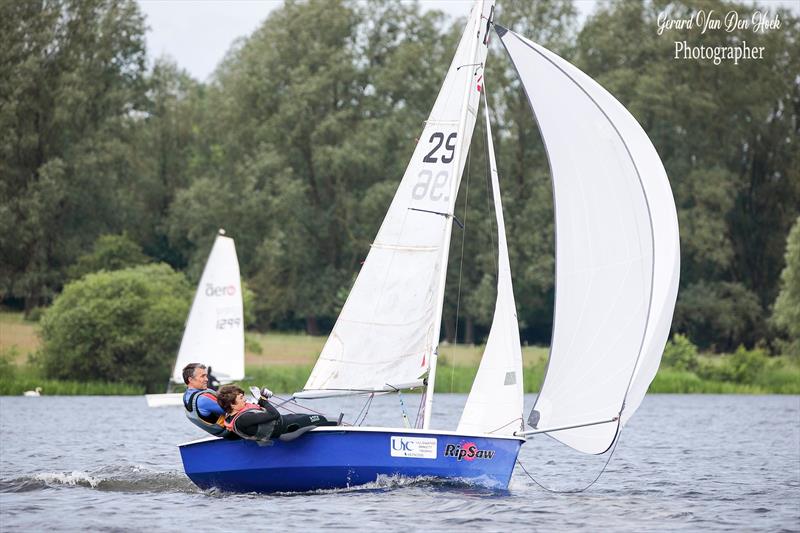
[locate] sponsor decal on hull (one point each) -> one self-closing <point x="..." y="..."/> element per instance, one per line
<point x="413" y="447"/>
<point x="467" y="451"/>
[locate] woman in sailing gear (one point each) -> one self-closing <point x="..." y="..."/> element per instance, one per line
<point x="263" y="422"/>
<point x="200" y="402"/>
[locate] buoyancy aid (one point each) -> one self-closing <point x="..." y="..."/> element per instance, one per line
<point x="214" y="424"/>
<point x="264" y="431"/>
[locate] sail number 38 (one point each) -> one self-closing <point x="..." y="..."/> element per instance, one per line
<point x="430" y="185"/>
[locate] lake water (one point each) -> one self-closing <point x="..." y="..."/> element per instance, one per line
<point x="684" y="462"/>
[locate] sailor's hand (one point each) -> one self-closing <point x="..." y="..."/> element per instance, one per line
<point x="266" y="393"/>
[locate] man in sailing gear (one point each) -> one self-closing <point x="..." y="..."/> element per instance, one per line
<point x="262" y="422"/>
<point x="200" y="402"/>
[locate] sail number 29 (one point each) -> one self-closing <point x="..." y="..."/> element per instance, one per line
<point x="434" y="185"/>
<point x="450" y="148"/>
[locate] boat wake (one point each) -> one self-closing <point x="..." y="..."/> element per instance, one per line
<point x="385" y="483"/>
<point x="143" y="480"/>
<point x="111" y="479"/>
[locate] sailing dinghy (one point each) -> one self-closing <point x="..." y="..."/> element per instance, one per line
<point x="617" y="263"/>
<point x="214" y="332"/>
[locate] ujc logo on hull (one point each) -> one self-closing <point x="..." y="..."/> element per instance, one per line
<point x="413" y="447"/>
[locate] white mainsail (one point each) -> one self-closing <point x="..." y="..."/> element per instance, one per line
<point x="494" y="404"/>
<point x="617" y="250"/>
<point x="386" y="335"/>
<point x="214" y="333"/>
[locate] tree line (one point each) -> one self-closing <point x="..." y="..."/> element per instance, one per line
<point x="298" y="142"/>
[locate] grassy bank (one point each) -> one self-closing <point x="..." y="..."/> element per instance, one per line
<point x="289" y="378"/>
<point x="784" y="380"/>
<point x="14" y="382"/>
<point x="283" y="361"/>
<point x="458" y="379"/>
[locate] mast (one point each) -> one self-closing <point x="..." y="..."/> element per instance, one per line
<point x="462" y="150"/>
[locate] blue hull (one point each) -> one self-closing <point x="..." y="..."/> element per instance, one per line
<point x="336" y="458"/>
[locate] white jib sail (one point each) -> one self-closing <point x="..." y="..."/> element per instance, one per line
<point x="388" y="329"/>
<point x="616" y="250"/>
<point x="214" y="333"/>
<point x="494" y="404"/>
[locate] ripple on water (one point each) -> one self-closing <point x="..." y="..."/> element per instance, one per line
<point x="667" y="473"/>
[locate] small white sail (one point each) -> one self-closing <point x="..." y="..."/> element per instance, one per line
<point x="388" y="330"/>
<point x="617" y="251"/>
<point x="214" y="333"/>
<point x="494" y="404"/>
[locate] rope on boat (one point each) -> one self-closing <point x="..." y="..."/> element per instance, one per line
<point x="574" y="491"/>
<point x="364" y="410"/>
<point x="406" y="423"/>
<point x="421" y="410"/>
<point x="489" y="193"/>
<point x="460" y="271"/>
<point x="518" y="419"/>
<point x="293" y="401"/>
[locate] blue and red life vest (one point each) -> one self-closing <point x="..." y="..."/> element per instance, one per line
<point x="214" y="424"/>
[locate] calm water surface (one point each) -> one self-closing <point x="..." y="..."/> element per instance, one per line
<point x="684" y="462"/>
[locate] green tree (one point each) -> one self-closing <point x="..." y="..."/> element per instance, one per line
<point x="121" y="326"/>
<point x="70" y="76"/>
<point x="311" y="129"/>
<point x="680" y="354"/>
<point x="719" y="315"/>
<point x="110" y="252"/>
<point x="786" y="313"/>
<point x="727" y="135"/>
<point x="167" y="142"/>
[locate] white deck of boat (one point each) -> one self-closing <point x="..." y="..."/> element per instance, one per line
<point x="374" y="429"/>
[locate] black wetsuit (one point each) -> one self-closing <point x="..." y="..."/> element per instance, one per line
<point x="268" y="423"/>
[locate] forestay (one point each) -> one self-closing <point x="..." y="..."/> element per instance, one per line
<point x="494" y="404"/>
<point x="616" y="250"/>
<point x="214" y="333"/>
<point x="388" y="330"/>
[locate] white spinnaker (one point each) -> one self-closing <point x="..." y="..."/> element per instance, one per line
<point x="494" y="404"/>
<point x="388" y="329"/>
<point x="214" y="333"/>
<point x="616" y="250"/>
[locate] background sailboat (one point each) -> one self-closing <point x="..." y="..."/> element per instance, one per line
<point x="214" y="332"/>
<point x="613" y="308"/>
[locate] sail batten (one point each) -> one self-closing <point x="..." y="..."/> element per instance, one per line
<point x="616" y="249"/>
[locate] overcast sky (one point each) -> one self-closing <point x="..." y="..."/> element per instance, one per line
<point x="198" y="33"/>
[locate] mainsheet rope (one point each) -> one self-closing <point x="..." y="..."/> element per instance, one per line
<point x="575" y="491"/>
